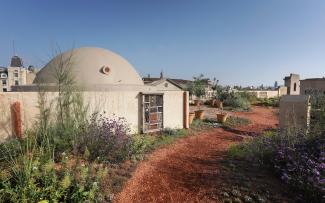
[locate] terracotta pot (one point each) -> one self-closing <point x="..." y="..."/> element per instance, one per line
<point x="199" y="114"/>
<point x="222" y="117"/>
<point x="191" y="117"/>
<point x="197" y="102"/>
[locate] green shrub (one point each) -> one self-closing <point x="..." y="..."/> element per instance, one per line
<point x="141" y="144"/>
<point x="236" y="101"/>
<point x="198" y="124"/>
<point x="31" y="176"/>
<point x="269" y="102"/>
<point x="249" y="96"/>
<point x="234" y="121"/>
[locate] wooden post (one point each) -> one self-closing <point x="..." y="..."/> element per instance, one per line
<point x="186" y="110"/>
<point x="16" y="119"/>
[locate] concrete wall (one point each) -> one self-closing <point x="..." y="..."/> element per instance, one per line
<point x="282" y="91"/>
<point x="312" y="86"/>
<point x="263" y="93"/>
<point x="115" y="103"/>
<point x="294" y="112"/>
<point x="173" y="109"/>
<point x="29" y="103"/>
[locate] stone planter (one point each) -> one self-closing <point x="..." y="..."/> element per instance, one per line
<point x="199" y="114"/>
<point x="222" y="117"/>
<point x="191" y="117"/>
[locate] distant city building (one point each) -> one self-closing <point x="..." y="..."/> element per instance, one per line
<point x="15" y="74"/>
<point x="292" y="83"/>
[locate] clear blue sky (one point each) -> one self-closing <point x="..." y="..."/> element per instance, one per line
<point x="238" y="42"/>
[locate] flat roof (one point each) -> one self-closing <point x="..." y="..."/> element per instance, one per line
<point x="314" y="79"/>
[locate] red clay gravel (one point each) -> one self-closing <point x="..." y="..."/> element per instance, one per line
<point x="187" y="170"/>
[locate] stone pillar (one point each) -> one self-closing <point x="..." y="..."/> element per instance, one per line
<point x="186" y="110"/>
<point x="294" y="112"/>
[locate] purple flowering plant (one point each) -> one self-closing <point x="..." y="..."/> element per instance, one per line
<point x="106" y="139"/>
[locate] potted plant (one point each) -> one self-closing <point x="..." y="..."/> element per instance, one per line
<point x="222" y="117"/>
<point x="191" y="117"/>
<point x="197" y="88"/>
<point x="220" y="94"/>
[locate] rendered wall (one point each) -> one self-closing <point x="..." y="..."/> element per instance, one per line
<point x="115" y="103"/>
<point x="312" y="86"/>
<point x="294" y="112"/>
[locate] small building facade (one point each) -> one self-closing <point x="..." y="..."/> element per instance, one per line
<point x="312" y="86"/>
<point x="184" y="84"/>
<point x="15" y="74"/>
<point x="292" y="83"/>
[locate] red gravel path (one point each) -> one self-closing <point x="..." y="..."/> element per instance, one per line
<point x="187" y="170"/>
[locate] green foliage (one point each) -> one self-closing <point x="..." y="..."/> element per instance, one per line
<point x="317" y="113"/>
<point x="198" y="124"/>
<point x="234" y="121"/>
<point x="107" y="139"/>
<point x="248" y="96"/>
<point x="298" y="159"/>
<point x="237" y="102"/>
<point x="269" y="102"/>
<point x="197" y="87"/>
<point x="31" y="176"/>
<point x="142" y="144"/>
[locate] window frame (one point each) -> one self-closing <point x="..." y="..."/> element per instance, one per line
<point x="159" y="113"/>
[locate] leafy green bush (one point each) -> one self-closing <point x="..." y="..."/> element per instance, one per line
<point x="269" y="102"/>
<point x="236" y="101"/>
<point x="197" y="87"/>
<point x="249" y="96"/>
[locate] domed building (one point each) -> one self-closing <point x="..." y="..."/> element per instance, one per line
<point x="109" y="84"/>
<point x="91" y="66"/>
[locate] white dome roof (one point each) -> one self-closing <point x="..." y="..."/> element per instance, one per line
<point x="91" y="66"/>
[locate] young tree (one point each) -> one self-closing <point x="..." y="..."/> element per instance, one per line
<point x="198" y="86"/>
